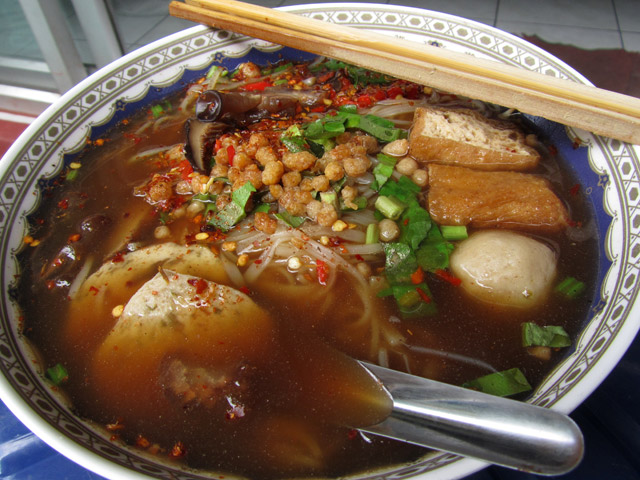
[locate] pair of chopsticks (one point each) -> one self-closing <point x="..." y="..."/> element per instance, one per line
<point x="596" y="110"/>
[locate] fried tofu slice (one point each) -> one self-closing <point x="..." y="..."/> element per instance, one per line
<point x="512" y="200"/>
<point x="465" y="138"/>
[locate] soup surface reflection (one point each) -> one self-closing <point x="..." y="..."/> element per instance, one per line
<point x="207" y="271"/>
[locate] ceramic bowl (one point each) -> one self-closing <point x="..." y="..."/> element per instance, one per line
<point x="608" y="171"/>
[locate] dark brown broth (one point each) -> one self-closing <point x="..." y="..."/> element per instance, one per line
<point x="282" y="387"/>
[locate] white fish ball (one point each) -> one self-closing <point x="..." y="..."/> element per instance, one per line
<point x="504" y="268"/>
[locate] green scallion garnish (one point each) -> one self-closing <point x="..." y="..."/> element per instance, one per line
<point x="57" y="374"/>
<point x="570" y="287"/>
<point x="501" y="384"/>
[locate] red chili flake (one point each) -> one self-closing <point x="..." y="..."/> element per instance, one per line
<point x="258" y="261"/>
<point x="231" y="152"/>
<point x="178" y="450"/>
<point x="446" y="276"/>
<point x="136" y="139"/>
<point x="322" y="271"/>
<point x="142" y="442"/>
<point x="51" y="284"/>
<point x="380" y="95"/>
<point x="575" y="189"/>
<point x="393" y="92"/>
<point x="75" y="237"/>
<point x="93" y="290"/>
<point x="364" y="101"/>
<point x="185" y="169"/>
<point x="256" y="86"/>
<point x="359" y="257"/>
<point x="412" y="91"/>
<point x="573" y="223"/>
<point x="199" y="284"/>
<point x="118" y="257"/>
<point x="353" y="434"/>
<point x="63" y="204"/>
<point x="417" y="277"/>
<point x="318" y="109"/>
<point x="406" y="222"/>
<point x="345" y="83"/>
<point x="218" y="145"/>
<point x="325" y="77"/>
<point x="244" y="289"/>
<point x="425" y="298"/>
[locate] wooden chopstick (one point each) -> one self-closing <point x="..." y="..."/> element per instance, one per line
<point x="600" y="111"/>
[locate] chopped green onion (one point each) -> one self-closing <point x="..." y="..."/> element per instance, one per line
<point x="412" y="300"/>
<point x="433" y="253"/>
<point x="157" y="111"/>
<point x="164" y="217"/>
<point x="390" y="207"/>
<point x="400" y="263"/>
<point x="215" y="70"/>
<point x="204" y="197"/>
<point x="415" y="224"/>
<point x="291" y="220"/>
<point x="502" y="384"/>
<point x="373" y="233"/>
<point x="281" y="81"/>
<point x="331" y="198"/>
<point x="359" y="202"/>
<point x="570" y="287"/>
<point x="348" y="108"/>
<point x="454" y="232"/>
<point x="334" y="127"/>
<point x="549" y="336"/>
<point x="241" y="195"/>
<point x="234" y="211"/>
<point x="263" y="207"/>
<point x="72" y="175"/>
<point x="57" y="374"/>
<point x="404" y="189"/>
<point x="383" y="170"/>
<point x="282" y="68"/>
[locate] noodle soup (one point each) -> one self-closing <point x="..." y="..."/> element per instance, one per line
<point x="218" y="260"/>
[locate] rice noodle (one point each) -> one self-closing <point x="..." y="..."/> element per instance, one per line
<point x="168" y="119"/>
<point x="365" y="249"/>
<point x="150" y="153"/>
<point x="190" y="97"/>
<point x="361" y="217"/>
<point x="80" y="277"/>
<point x="394" y="108"/>
<point x="452" y="356"/>
<point x="232" y="269"/>
<point x="316" y="251"/>
<point x="351" y="234"/>
<point x="144" y="127"/>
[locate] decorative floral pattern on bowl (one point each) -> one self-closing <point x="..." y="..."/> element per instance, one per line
<point x="608" y="171"/>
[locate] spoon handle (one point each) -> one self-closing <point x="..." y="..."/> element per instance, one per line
<point x="474" y="424"/>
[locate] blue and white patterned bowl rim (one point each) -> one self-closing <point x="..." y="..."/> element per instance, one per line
<point x="607" y="170"/>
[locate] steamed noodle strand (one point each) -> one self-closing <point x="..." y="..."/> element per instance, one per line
<point x="278" y="247"/>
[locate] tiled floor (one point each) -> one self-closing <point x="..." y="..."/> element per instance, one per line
<point x="590" y="24"/>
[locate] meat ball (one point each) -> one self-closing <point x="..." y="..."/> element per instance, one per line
<point x="504" y="268"/>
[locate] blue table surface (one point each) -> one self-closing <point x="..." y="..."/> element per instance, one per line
<point x="608" y="419"/>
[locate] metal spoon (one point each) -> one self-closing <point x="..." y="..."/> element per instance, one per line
<point x="505" y="432"/>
